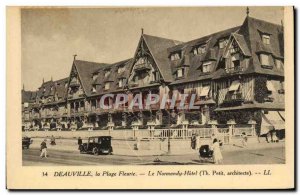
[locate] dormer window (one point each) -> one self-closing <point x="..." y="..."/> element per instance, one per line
<point x="107" y="86"/>
<point x="180" y="73"/>
<point x="199" y="50"/>
<point x="264" y="60"/>
<point x="121" y="82"/>
<point x="175" y="56"/>
<point x="279" y="64"/>
<point x="121" y="69"/>
<point x="94" y="77"/>
<point x="223" y="43"/>
<point x="266" y="39"/>
<point x="94" y="89"/>
<point x="107" y="72"/>
<point x="206" y="67"/>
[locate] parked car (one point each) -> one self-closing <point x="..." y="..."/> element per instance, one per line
<point x="97" y="145"/>
<point x="26" y="141"/>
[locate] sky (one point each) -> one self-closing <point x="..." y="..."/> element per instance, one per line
<point x="50" y="37"/>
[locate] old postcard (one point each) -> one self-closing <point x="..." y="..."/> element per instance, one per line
<point x="150" y="98"/>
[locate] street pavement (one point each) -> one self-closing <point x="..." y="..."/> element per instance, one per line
<point x="273" y="153"/>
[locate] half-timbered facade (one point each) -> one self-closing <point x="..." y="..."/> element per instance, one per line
<point x="235" y="74"/>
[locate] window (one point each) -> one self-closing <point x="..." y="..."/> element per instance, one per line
<point x="94" y="89"/>
<point x="156" y="76"/>
<point x="180" y="73"/>
<point x="94" y="76"/>
<point x="106" y="86"/>
<point x="223" y="43"/>
<point x="141" y="61"/>
<point x="270" y="86"/>
<point x="175" y="56"/>
<point x="235" y="62"/>
<point x="266" y="39"/>
<point x="201" y="49"/>
<point x="107" y="73"/>
<point x="121" y="69"/>
<point x="206" y="67"/>
<point x="279" y="64"/>
<point x="121" y="82"/>
<point x="264" y="59"/>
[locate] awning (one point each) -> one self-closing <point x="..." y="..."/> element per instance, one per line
<point x="270" y="86"/>
<point x="234" y="85"/>
<point x="272" y="120"/>
<point x="204" y="102"/>
<point x="266" y="125"/>
<point x="282" y="115"/>
<point x="276" y="120"/>
<point x="204" y="91"/>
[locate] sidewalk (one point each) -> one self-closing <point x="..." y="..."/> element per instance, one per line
<point x="175" y="152"/>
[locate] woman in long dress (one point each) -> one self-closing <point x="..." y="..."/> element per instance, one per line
<point x="217" y="152"/>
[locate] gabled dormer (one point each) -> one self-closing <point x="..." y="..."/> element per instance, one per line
<point x="75" y="89"/>
<point x="236" y="54"/>
<point x="199" y="49"/>
<point x="144" y="69"/>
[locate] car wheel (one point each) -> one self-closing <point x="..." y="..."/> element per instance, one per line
<point x="95" y="151"/>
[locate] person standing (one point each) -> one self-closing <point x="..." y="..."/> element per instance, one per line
<point x="218" y="158"/>
<point x="44" y="149"/>
<point x="193" y="142"/>
<point x="53" y="140"/>
<point x="79" y="142"/>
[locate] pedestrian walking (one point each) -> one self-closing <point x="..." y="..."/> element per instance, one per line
<point x="218" y="158"/>
<point x="244" y="139"/>
<point x="44" y="149"/>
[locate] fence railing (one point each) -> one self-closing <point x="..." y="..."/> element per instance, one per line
<point x="182" y="133"/>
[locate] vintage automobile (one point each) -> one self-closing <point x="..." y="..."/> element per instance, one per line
<point x="97" y="145"/>
<point x="26" y="141"/>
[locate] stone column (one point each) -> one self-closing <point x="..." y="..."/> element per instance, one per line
<point x="231" y="124"/>
<point x="253" y="124"/>
<point x="214" y="127"/>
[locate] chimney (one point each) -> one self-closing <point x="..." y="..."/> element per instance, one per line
<point x="247" y="11"/>
<point x="142" y="30"/>
<point x="43" y="80"/>
<point x="74" y="57"/>
<point x="23" y="87"/>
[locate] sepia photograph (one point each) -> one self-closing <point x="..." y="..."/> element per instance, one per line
<point x="104" y="90"/>
<point x="189" y="89"/>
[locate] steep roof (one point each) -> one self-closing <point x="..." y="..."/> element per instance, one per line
<point x="60" y="87"/>
<point x="194" y="62"/>
<point x="26" y="96"/>
<point x="113" y="77"/>
<point x="252" y="30"/>
<point x="158" y="48"/>
<point x="85" y="71"/>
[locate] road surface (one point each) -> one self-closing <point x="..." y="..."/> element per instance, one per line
<point x="31" y="157"/>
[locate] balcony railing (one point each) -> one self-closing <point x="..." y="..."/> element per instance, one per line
<point x="236" y="97"/>
<point x="236" y="69"/>
<point x="74" y="84"/>
<point x="143" y="66"/>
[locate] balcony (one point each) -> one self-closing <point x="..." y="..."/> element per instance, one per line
<point x="268" y="99"/>
<point x="141" y="67"/>
<point x="235" y="99"/>
<point x="74" y="84"/>
<point x="234" y="70"/>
